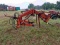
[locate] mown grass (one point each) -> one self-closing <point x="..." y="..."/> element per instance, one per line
<point x="45" y="35"/>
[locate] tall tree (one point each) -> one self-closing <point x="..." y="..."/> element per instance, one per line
<point x="48" y="5"/>
<point x="58" y="5"/>
<point x="31" y="6"/>
<point x="3" y="7"/>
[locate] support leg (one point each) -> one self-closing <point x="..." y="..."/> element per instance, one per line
<point x="39" y="21"/>
<point x="36" y="19"/>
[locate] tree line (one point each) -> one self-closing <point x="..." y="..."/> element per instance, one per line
<point x="3" y="7"/>
<point x="46" y="6"/>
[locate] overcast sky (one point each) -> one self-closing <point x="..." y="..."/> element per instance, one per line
<point x="25" y="3"/>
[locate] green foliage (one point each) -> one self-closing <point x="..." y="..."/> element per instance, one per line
<point x="46" y="6"/>
<point x="3" y="7"/>
<point x="31" y="6"/>
<point x="58" y="5"/>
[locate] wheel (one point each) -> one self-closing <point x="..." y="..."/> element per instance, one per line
<point x="16" y="14"/>
<point x="13" y="20"/>
<point x="53" y="16"/>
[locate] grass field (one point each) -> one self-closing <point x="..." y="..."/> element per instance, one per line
<point x="45" y="35"/>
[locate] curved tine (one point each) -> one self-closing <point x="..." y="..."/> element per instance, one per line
<point x="5" y="14"/>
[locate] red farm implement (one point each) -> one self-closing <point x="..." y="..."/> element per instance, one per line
<point x="32" y="12"/>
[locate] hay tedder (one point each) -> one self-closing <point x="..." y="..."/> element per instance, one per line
<point x="32" y="12"/>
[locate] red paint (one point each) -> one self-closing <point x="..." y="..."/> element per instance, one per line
<point x="43" y="16"/>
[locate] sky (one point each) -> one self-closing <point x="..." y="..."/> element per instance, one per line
<point x="24" y="3"/>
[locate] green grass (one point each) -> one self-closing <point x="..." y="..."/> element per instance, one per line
<point x="45" y="35"/>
